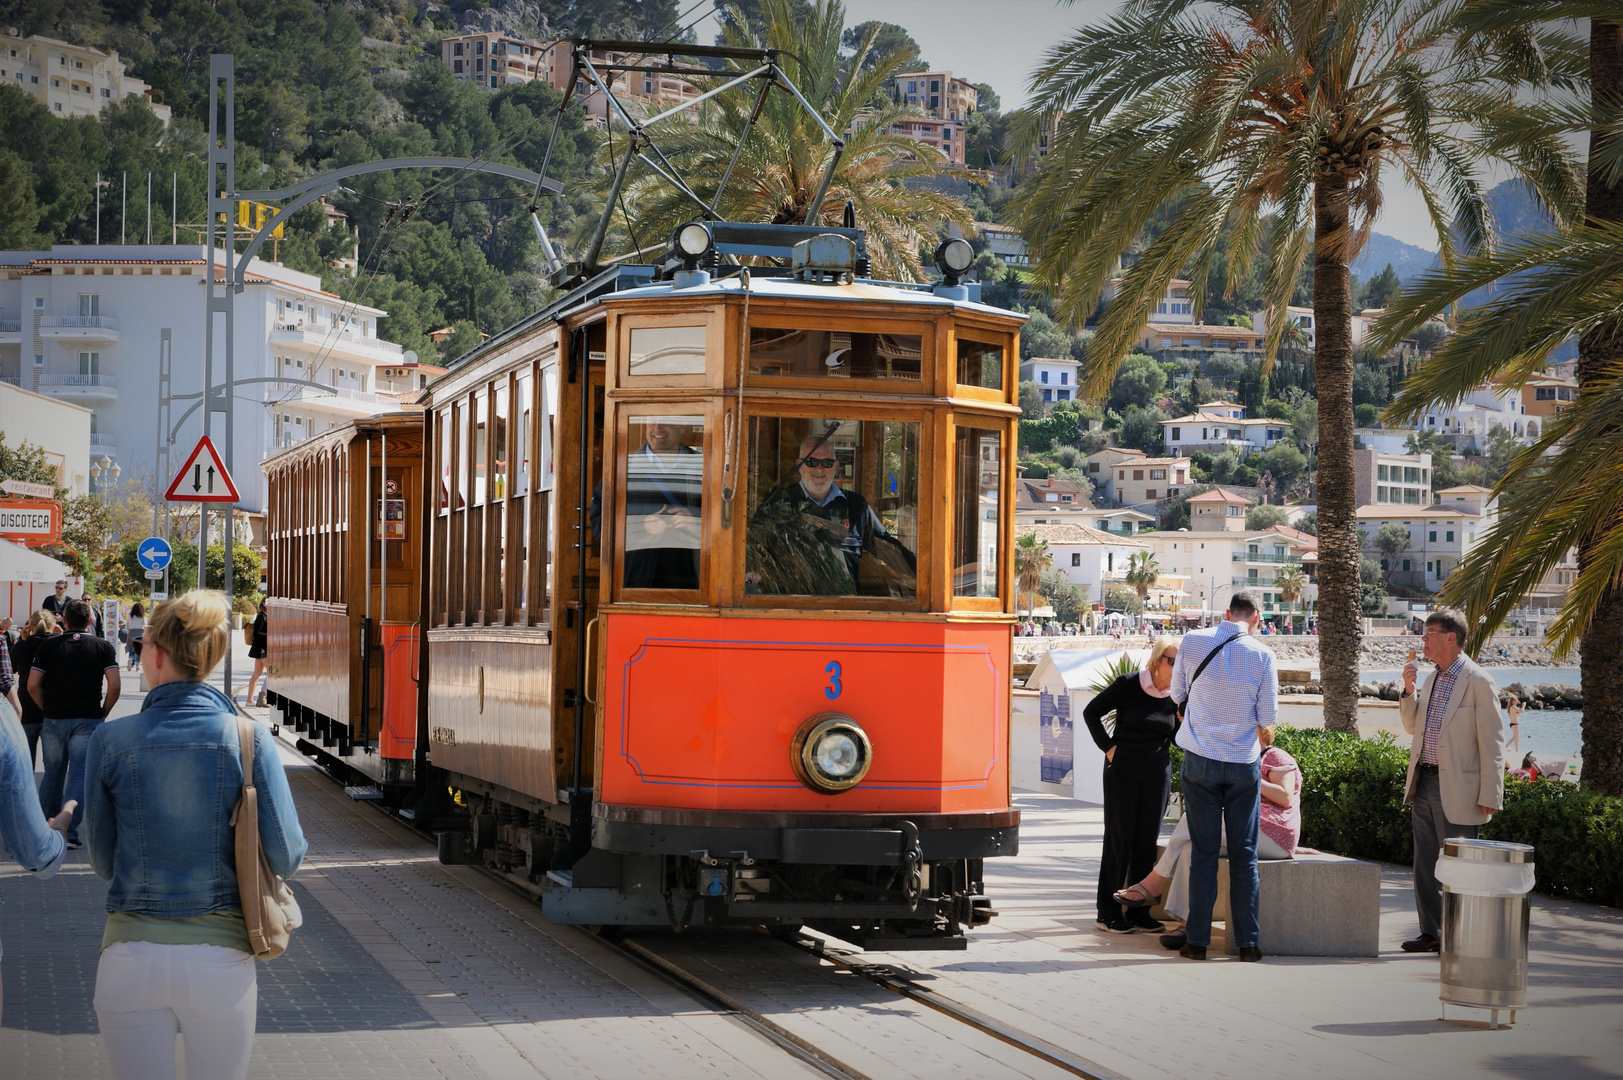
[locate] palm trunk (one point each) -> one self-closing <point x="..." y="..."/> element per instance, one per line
<point x="1598" y="351"/>
<point x="1340" y="615"/>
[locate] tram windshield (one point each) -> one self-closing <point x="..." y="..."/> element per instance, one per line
<point x="662" y="520"/>
<point x="833" y="507"/>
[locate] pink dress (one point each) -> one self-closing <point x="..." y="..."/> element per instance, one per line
<point x="1283" y="824"/>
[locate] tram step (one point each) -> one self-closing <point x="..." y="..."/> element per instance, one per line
<point x="367" y="793"/>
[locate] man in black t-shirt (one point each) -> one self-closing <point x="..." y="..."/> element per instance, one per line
<point x="67" y="683"/>
<point x="58" y="602"/>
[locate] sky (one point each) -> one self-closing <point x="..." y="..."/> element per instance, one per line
<point x="1001" y="42"/>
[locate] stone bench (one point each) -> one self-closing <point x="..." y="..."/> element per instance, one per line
<point x="1312" y="905"/>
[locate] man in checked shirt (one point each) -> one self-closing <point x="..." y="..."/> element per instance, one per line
<point x="1457" y="763"/>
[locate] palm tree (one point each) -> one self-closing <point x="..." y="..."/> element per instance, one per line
<point x="1142" y="573"/>
<point x="1031" y="561"/>
<point x="1564" y="490"/>
<point x="1289" y="583"/>
<point x="786" y="154"/>
<point x="1249" y="130"/>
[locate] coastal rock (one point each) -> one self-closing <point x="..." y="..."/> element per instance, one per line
<point x="1573" y="696"/>
<point x="1549" y="691"/>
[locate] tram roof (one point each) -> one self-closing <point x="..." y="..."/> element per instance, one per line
<point x="784" y="287"/>
<point x="633" y="280"/>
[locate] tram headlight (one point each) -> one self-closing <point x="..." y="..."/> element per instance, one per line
<point x="691" y="242"/>
<point x="954" y="257"/>
<point x="831" y="753"/>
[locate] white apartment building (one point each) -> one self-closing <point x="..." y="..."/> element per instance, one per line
<point x="59" y="428"/>
<point x="83" y="324"/>
<point x="1473" y="419"/>
<point x="71" y="80"/>
<point x="1440" y="535"/>
<point x="1088" y="558"/>
<point x="1100" y="467"/>
<point x="1056" y="377"/>
<point x="1391" y="479"/>
<point x="1005" y="242"/>
<point x="1215" y="564"/>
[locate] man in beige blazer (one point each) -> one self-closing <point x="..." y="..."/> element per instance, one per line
<point x="1456" y="764"/>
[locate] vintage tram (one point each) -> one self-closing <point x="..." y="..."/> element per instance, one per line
<point x="341" y="613"/>
<point x="716" y="596"/>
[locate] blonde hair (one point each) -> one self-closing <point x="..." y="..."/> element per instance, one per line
<point x="1159" y="648"/>
<point x="193" y="629"/>
<point x="39" y="622"/>
<point x="1265" y="735"/>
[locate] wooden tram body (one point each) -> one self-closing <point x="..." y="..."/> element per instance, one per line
<point x="342" y="611"/>
<point x="646" y="656"/>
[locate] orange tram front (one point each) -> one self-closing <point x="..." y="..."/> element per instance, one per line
<point x="717" y="597"/>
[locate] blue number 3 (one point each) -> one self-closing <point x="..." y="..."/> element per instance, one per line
<point x="833" y="688"/>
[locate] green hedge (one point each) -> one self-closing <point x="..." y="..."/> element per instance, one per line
<point x="1352" y="804"/>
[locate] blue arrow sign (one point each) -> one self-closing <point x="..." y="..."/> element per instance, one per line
<point x="154" y="553"/>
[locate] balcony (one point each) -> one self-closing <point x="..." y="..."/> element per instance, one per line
<point x="1272" y="560"/>
<point x="346" y="402"/>
<point x="70" y="328"/>
<point x="80" y="387"/>
<point x="11" y="332"/>
<point x="346" y="344"/>
<point x="104" y="442"/>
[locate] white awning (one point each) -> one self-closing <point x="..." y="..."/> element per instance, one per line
<point x="18" y="563"/>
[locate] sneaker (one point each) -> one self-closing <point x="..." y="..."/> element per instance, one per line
<point x="75" y="845"/>
<point x="1145" y="923"/>
<point x="1118" y="925"/>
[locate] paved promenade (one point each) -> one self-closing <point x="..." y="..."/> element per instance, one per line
<point x="407" y="969"/>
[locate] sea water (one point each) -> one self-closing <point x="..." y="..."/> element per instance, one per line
<point x="1550" y="734"/>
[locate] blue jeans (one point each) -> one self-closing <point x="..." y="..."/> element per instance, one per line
<point x="1221" y="796"/>
<point x="64" y="743"/>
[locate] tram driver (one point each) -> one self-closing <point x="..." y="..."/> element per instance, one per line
<point x="810" y="535"/>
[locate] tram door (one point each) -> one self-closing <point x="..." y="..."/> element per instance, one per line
<point x="578" y="450"/>
<point x="392" y="693"/>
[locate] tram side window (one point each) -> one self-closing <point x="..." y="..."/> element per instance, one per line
<point x="663" y="517"/>
<point x="666" y="350"/>
<point x="833" y="507"/>
<point x="835" y="354"/>
<point x="980" y="364"/>
<point x="978" y="472"/>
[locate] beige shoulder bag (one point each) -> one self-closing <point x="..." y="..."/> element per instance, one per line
<point x="268" y="905"/>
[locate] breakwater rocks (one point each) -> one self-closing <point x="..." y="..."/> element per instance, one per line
<point x="1536" y="697"/>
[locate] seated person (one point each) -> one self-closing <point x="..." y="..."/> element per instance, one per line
<point x="664" y="501"/>
<point x="1279" y="830"/>
<point x="809" y="537"/>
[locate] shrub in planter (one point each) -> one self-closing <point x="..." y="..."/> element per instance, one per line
<point x="1352" y="793"/>
<point x="1577" y="838"/>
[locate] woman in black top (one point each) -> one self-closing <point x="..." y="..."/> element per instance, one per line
<point x="1137" y="780"/>
<point x="257" y="649"/>
<point x="40" y="627"/>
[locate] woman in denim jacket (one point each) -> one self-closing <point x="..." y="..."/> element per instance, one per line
<point x="160" y="787"/>
<point x="28" y="837"/>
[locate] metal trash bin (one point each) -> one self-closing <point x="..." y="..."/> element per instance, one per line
<point x="1485" y="917"/>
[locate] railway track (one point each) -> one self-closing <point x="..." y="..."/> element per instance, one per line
<point x="796" y="1046"/>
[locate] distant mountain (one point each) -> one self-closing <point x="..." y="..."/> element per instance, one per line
<point x="1381" y="249"/>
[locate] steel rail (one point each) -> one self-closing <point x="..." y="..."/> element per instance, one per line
<point x="887" y="977"/>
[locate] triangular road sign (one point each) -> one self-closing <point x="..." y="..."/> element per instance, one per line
<point x="203" y="478"/>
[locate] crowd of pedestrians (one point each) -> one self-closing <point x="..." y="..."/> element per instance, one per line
<point x="1215" y="695"/>
<point x="152" y="798"/>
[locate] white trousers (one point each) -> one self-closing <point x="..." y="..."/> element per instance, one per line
<point x="145" y="993"/>
<point x="1174" y="864"/>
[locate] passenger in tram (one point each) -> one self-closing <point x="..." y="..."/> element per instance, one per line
<point x="664" y="507"/>
<point x="815" y="533"/>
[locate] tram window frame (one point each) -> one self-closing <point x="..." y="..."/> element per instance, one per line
<point x="924" y="575"/>
<point x="711" y="320"/>
<point x="999" y="602"/>
<point x="923" y="329"/>
<point x="988" y="339"/>
<point x="709" y="518"/>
